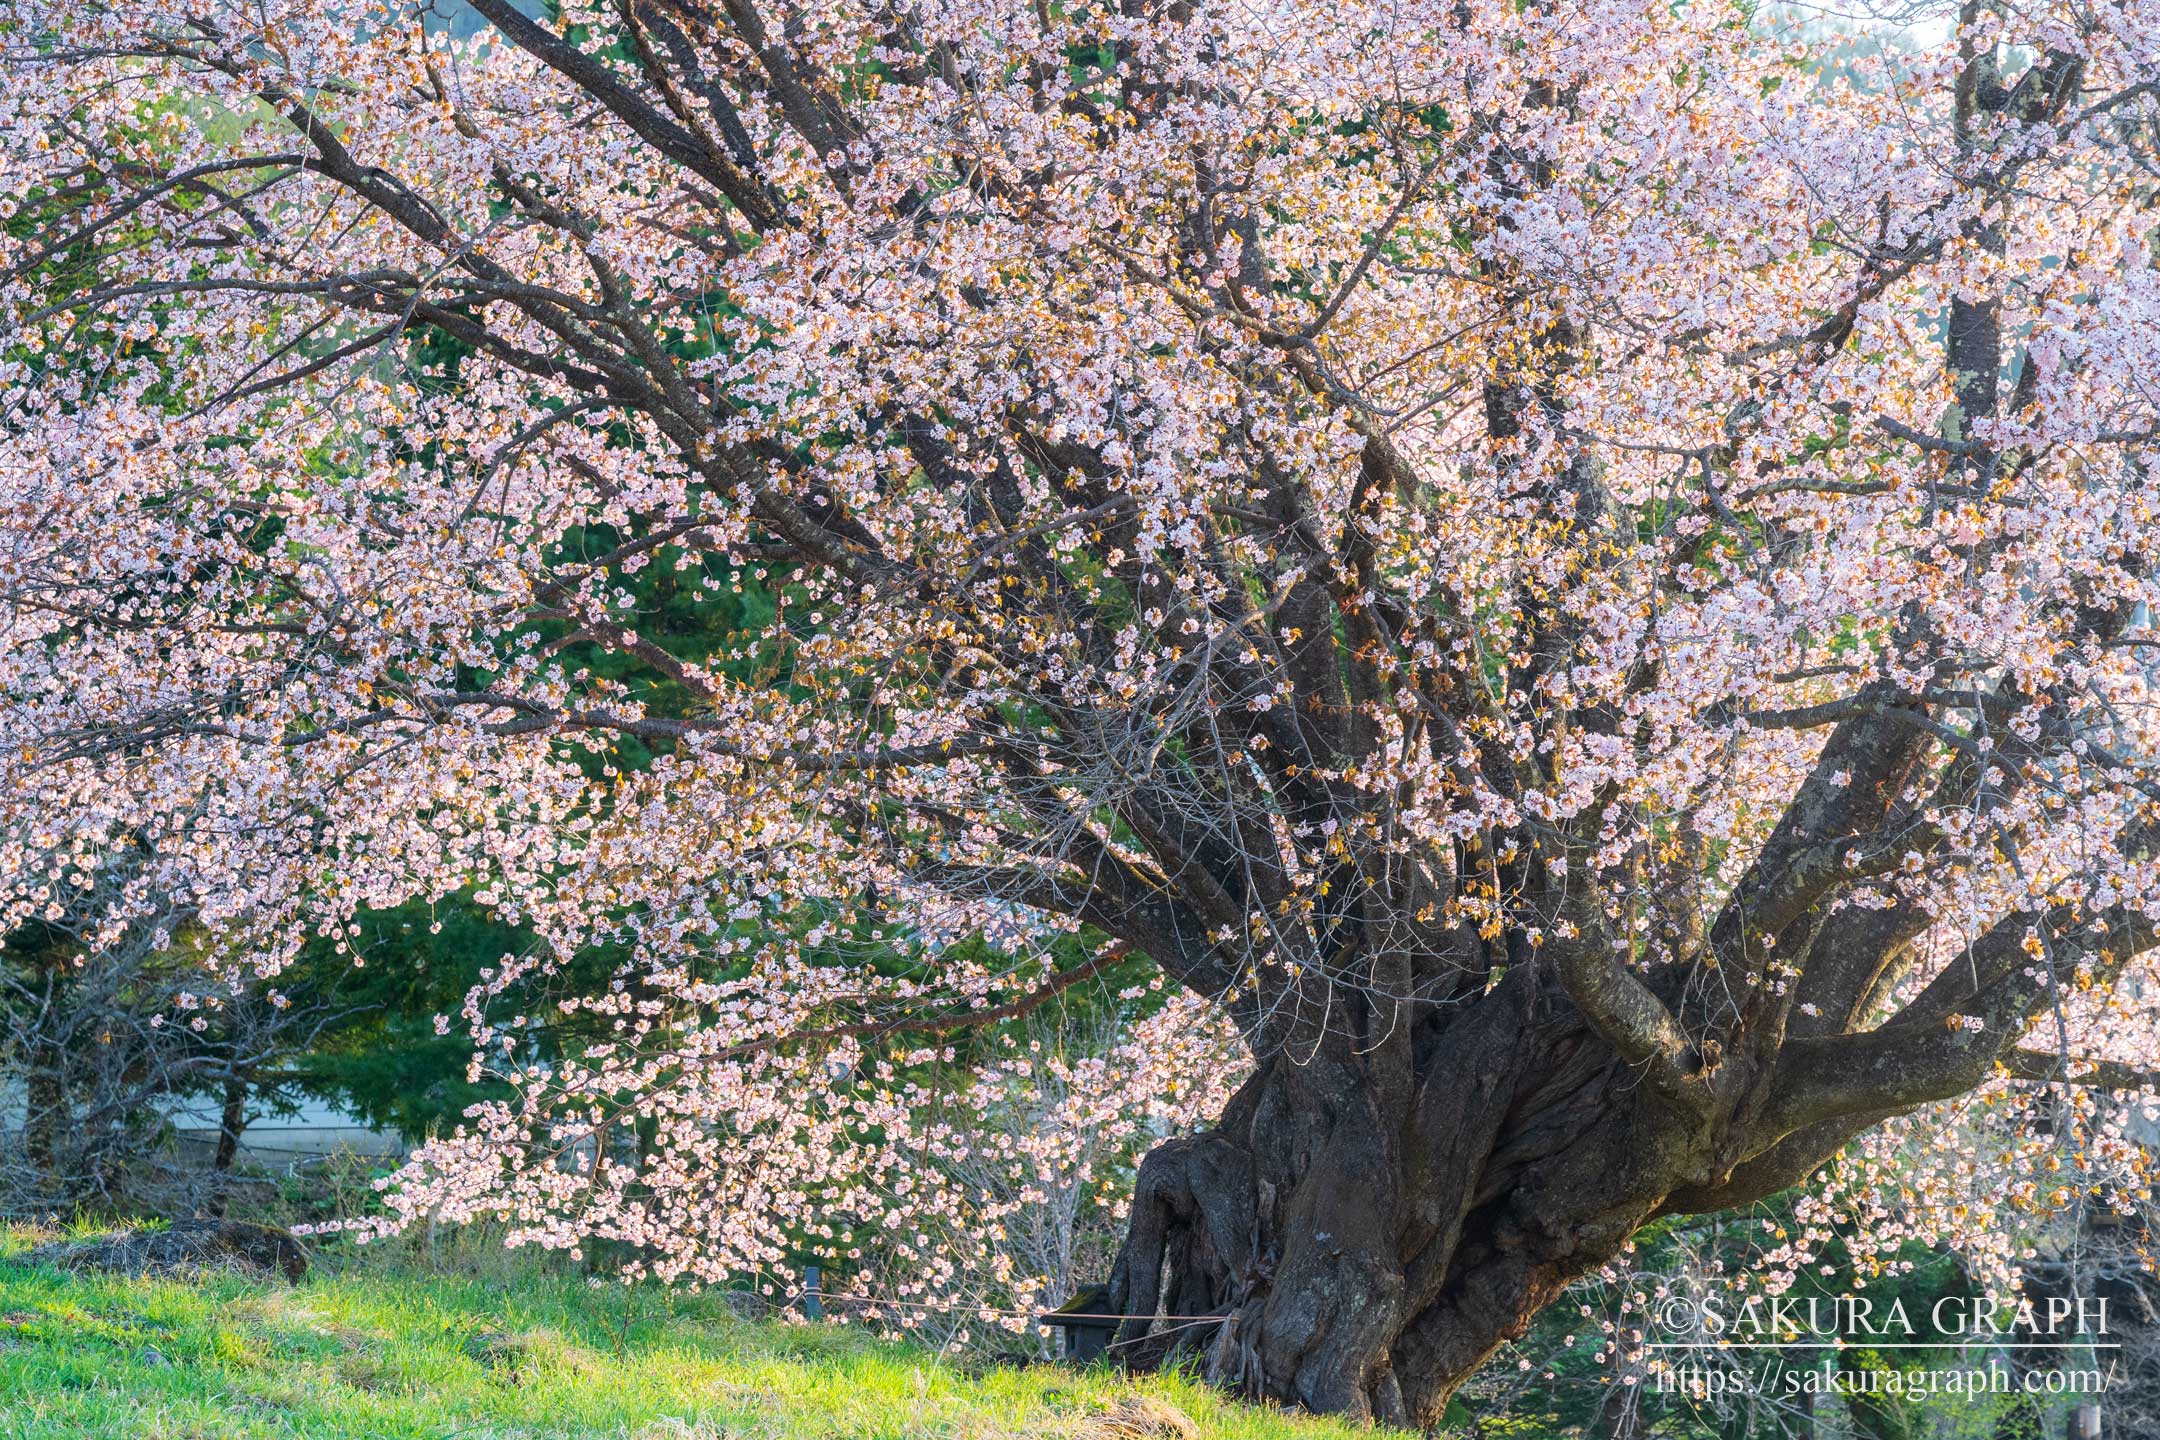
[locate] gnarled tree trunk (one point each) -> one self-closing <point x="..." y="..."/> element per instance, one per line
<point x="1367" y="1254"/>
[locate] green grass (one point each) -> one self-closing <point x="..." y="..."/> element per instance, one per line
<point x="367" y="1351"/>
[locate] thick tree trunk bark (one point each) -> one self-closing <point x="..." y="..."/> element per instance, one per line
<point x="232" y="1120"/>
<point x="1367" y="1255"/>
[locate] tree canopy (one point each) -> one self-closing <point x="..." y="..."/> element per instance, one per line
<point x="1578" y="573"/>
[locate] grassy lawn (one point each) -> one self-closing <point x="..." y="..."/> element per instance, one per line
<point x="363" y="1351"/>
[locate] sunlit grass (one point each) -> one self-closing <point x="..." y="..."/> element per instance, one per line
<point x="363" y="1350"/>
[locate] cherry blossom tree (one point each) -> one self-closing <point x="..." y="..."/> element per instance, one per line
<point x="1579" y="573"/>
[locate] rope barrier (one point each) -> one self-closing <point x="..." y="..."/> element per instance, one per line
<point x="1043" y="1318"/>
